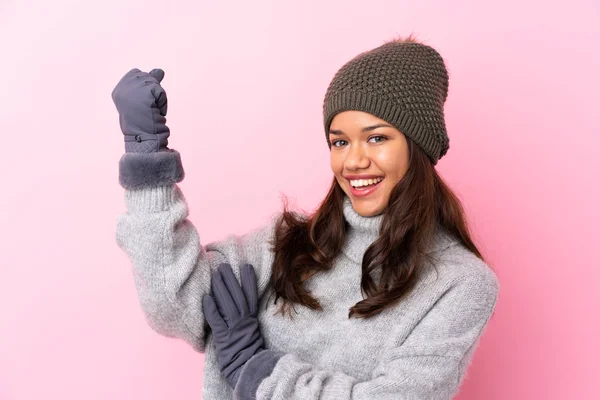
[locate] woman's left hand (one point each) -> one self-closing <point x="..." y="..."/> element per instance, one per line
<point x="232" y="313"/>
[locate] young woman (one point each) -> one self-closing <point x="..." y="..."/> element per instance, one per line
<point x="379" y="294"/>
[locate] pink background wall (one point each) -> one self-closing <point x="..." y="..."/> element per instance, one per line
<point x="245" y="82"/>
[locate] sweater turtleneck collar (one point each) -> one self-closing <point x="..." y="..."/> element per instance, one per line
<point x="364" y="230"/>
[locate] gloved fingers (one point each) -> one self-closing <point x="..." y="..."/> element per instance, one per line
<point x="211" y="313"/>
<point x="234" y="289"/>
<point x="133" y="71"/>
<point x="158" y="73"/>
<point x="225" y="303"/>
<point x="160" y="98"/>
<point x="250" y="288"/>
<point x="123" y="82"/>
<point x="131" y="74"/>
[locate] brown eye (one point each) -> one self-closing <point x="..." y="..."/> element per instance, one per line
<point x="379" y="139"/>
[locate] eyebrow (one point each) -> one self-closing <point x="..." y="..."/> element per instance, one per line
<point x="365" y="129"/>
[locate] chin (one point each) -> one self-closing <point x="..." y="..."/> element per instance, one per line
<point x="366" y="210"/>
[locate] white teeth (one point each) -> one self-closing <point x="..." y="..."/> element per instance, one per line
<point x="365" y="182"/>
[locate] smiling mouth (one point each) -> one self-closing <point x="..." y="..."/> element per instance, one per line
<point x="362" y="184"/>
<point x="365" y="189"/>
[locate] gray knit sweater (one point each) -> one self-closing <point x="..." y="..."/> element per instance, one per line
<point x="418" y="349"/>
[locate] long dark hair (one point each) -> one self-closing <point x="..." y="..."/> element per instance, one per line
<point x="420" y="203"/>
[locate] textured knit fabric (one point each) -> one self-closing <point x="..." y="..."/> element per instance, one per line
<point x="405" y="84"/>
<point x="417" y="349"/>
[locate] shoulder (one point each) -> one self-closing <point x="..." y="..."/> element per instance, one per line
<point x="455" y="268"/>
<point x="266" y="233"/>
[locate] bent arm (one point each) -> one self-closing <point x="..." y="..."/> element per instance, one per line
<point x="429" y="365"/>
<point x="171" y="268"/>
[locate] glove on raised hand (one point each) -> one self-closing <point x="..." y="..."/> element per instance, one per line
<point x="232" y="313"/>
<point x="142" y="105"/>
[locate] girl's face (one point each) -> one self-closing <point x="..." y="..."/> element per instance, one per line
<point x="368" y="158"/>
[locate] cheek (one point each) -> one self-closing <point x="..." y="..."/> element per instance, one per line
<point x="388" y="161"/>
<point x="393" y="162"/>
<point x="336" y="164"/>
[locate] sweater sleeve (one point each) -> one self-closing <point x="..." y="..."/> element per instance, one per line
<point x="170" y="266"/>
<point x="429" y="364"/>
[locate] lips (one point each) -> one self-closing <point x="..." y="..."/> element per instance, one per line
<point x="364" y="191"/>
<point x="359" y="183"/>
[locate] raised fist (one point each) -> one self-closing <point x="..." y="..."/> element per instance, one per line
<point x="142" y="105"/>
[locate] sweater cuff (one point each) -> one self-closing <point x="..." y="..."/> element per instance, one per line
<point x="254" y="371"/>
<point x="143" y="170"/>
<point x="151" y="199"/>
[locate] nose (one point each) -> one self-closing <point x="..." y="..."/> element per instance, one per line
<point x="357" y="158"/>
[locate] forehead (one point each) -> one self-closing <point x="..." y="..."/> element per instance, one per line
<point x="351" y="123"/>
<point x="355" y="119"/>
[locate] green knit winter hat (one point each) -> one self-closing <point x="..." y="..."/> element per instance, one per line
<point x="403" y="83"/>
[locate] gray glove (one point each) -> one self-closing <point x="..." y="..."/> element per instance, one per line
<point x="232" y="313"/>
<point x="142" y="106"/>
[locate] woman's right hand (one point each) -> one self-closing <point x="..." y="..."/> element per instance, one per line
<point x="142" y="105"/>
